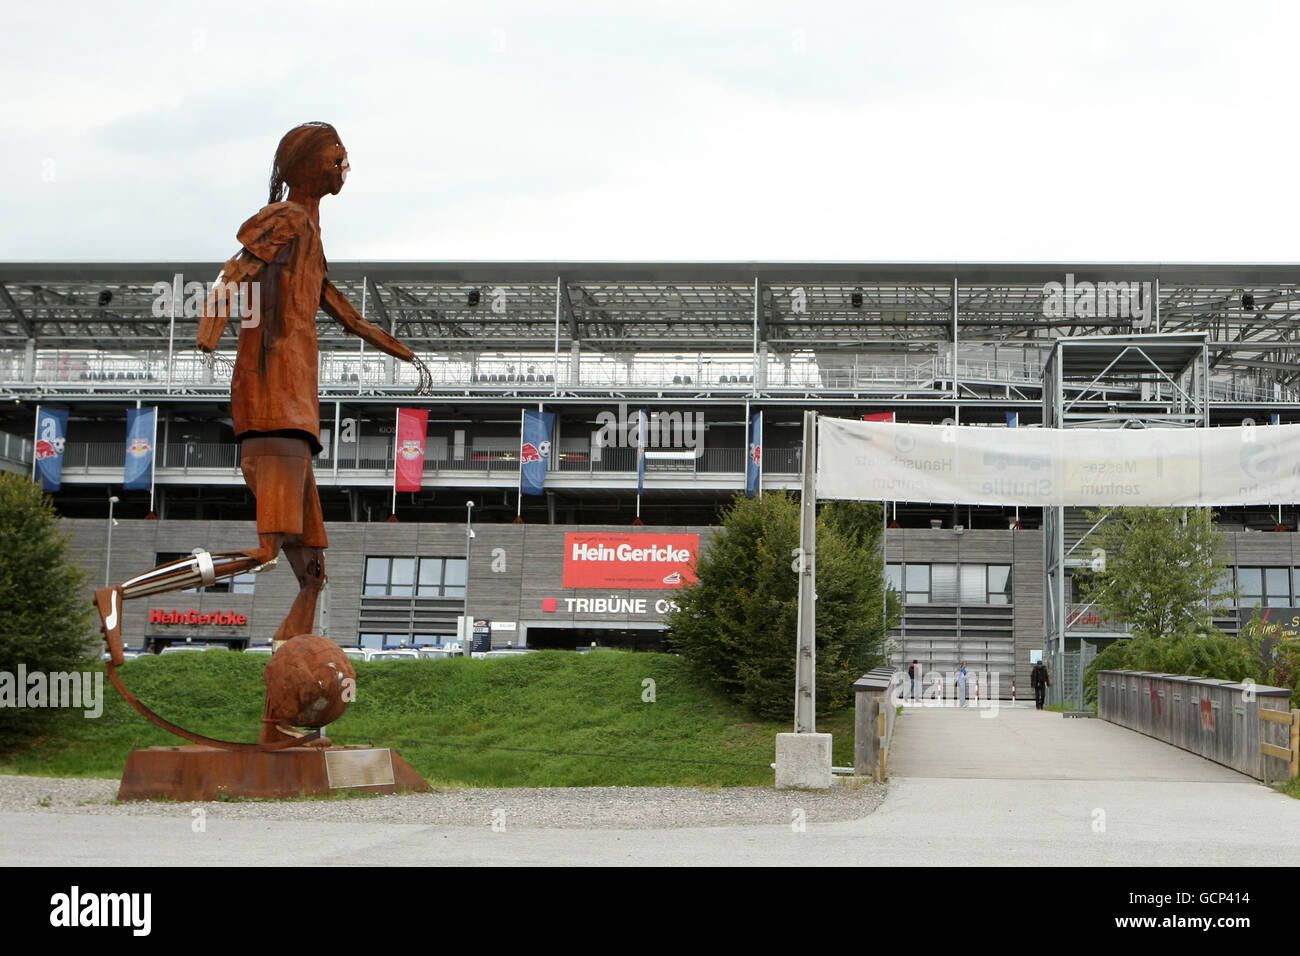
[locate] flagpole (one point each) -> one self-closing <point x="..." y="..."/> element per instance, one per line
<point x="36" y="437"/>
<point x="640" y="461"/>
<point x="397" y="414"/>
<point x="519" y="496"/>
<point x="153" y="457"/>
<point x="884" y="566"/>
<point x="761" y="456"/>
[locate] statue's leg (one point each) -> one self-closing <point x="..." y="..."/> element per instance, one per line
<point x="200" y="568"/>
<point x="305" y="551"/>
<point x="309" y="567"/>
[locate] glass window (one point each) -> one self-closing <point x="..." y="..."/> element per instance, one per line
<point x="376" y="576"/>
<point x="999" y="584"/>
<point x="974" y="583"/>
<point x="917" y="578"/>
<point x="943" y="582"/>
<point x="894" y="577"/>
<point x="430" y="577"/>
<point x="1277" y="586"/>
<point x="371" y="640"/>
<point x="454" y="578"/>
<point x="1250" y="584"/>
<point x="402" y="581"/>
<point x="1223" y="585"/>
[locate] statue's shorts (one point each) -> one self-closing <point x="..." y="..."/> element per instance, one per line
<point x="278" y="471"/>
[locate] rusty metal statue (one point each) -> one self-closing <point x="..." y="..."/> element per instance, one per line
<point x="275" y="407"/>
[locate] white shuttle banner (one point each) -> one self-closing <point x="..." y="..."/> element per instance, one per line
<point x="884" y="461"/>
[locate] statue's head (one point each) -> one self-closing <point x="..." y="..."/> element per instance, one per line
<point x="310" y="159"/>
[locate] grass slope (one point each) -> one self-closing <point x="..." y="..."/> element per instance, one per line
<point x="457" y="722"/>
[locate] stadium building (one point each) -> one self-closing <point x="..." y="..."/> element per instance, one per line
<point x="700" y="347"/>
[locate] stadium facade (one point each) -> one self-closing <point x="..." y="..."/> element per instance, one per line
<point x="699" y="347"/>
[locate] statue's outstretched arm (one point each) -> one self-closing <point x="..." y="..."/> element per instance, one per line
<point x="337" y="306"/>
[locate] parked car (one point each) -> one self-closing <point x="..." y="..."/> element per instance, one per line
<point x="258" y="649"/>
<point x="355" y="653"/>
<point x="186" y="648"/>
<point x="401" y="654"/>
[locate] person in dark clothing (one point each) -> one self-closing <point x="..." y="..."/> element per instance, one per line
<point x="911" y="673"/>
<point x="1041" y="681"/>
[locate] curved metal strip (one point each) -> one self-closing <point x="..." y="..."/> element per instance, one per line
<point x="171" y="728"/>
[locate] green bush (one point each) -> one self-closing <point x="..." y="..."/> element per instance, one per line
<point x="1210" y="655"/>
<point x="738" y="623"/>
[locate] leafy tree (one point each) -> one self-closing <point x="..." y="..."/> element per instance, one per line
<point x="47" y="620"/>
<point x="1162" y="567"/>
<point x="739" y="622"/>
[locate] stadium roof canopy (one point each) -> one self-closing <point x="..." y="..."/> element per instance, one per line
<point x="1247" y="310"/>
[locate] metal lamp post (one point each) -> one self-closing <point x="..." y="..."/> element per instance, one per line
<point x="469" y="618"/>
<point x="108" y="549"/>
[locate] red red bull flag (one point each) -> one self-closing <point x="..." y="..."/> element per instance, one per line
<point x="412" y="427"/>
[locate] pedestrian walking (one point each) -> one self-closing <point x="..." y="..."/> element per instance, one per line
<point x="911" y="674"/>
<point x="1041" y="681"/>
<point x="961" y="685"/>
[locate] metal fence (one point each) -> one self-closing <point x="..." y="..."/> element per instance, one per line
<point x="378" y="456"/>
<point x="1067" y="669"/>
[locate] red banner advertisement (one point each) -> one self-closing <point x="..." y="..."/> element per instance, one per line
<point x="412" y="426"/>
<point x="606" y="559"/>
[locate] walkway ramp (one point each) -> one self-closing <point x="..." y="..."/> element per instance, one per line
<point x="1022" y="743"/>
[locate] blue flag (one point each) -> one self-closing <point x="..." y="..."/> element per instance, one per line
<point x="534" y="451"/>
<point x="1013" y="419"/>
<point x="51" y="436"/>
<point x="640" y="453"/>
<point x="754" y="466"/>
<point x="138" y="472"/>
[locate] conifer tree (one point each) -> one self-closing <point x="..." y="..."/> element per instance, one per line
<point x="47" y="623"/>
<point x="738" y="623"/>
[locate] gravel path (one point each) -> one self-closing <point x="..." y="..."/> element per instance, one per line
<point x="557" y="807"/>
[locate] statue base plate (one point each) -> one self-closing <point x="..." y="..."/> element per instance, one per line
<point x="209" y="773"/>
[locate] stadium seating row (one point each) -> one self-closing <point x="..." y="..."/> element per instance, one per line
<point x="116" y="377"/>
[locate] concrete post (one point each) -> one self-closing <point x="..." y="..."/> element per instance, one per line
<point x="865" y="745"/>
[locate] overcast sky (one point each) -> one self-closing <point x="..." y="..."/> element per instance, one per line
<point x="693" y="130"/>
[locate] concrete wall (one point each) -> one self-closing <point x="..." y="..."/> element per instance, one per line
<point x="512" y="569"/>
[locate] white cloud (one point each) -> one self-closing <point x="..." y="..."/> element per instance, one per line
<point x="663" y="131"/>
